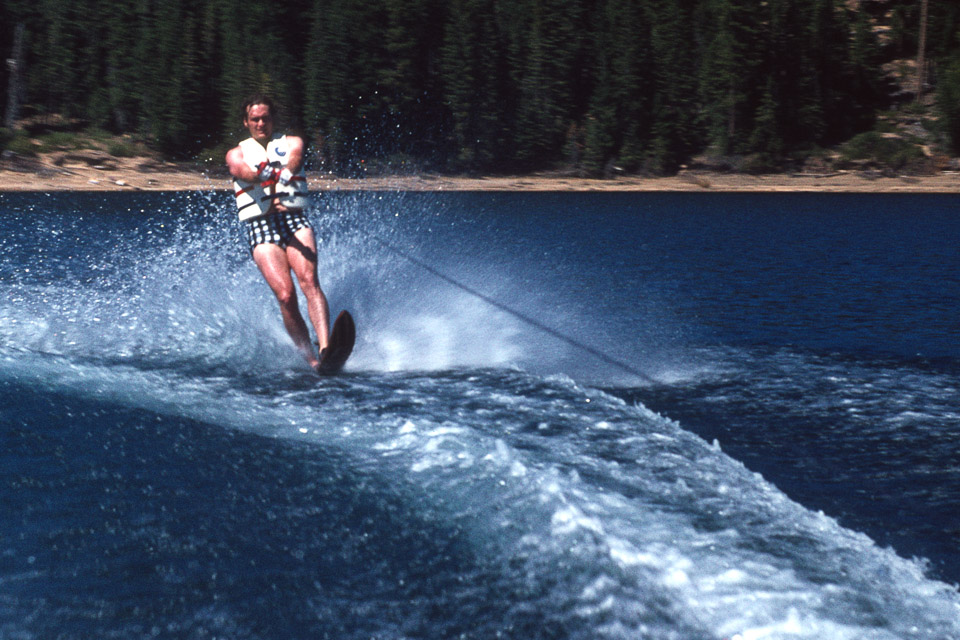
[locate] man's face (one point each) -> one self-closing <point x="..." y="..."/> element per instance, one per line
<point x="259" y="122"/>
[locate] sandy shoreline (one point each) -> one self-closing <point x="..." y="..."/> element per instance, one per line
<point x="133" y="174"/>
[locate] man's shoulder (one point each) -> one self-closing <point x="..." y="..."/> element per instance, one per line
<point x="243" y="144"/>
<point x="289" y="138"/>
<point x="284" y="144"/>
<point x="236" y="153"/>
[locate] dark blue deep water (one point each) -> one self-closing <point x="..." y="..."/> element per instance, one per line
<point x="673" y="416"/>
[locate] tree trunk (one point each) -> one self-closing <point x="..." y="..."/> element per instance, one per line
<point x="15" y="85"/>
<point x="921" y="48"/>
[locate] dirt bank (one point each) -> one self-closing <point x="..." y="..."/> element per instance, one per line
<point x="82" y="172"/>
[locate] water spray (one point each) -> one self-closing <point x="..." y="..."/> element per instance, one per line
<point x="516" y="313"/>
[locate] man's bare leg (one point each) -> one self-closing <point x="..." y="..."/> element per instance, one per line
<point x="273" y="264"/>
<point x="302" y="257"/>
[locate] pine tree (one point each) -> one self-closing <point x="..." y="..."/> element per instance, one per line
<point x="406" y="37"/>
<point x="233" y="86"/>
<point x="343" y="104"/>
<point x="864" y="86"/>
<point x="619" y="119"/>
<point x="728" y="73"/>
<point x="789" y="113"/>
<point x="948" y="102"/>
<point x="162" y="104"/>
<point x="601" y="136"/>
<point x="674" y="132"/>
<point x="545" y="103"/>
<point x="480" y="84"/>
<point x="409" y="86"/>
<point x="175" y="100"/>
<point x="828" y="36"/>
<point x="53" y="78"/>
<point x="634" y="65"/>
<point x="122" y="81"/>
<point x="943" y="29"/>
<point x="803" y="119"/>
<point x="264" y="47"/>
<point x="766" y="138"/>
<point x="470" y="71"/>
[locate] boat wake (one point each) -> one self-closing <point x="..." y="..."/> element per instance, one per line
<point x="167" y="446"/>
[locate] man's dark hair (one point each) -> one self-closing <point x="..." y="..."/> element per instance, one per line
<point x="257" y="98"/>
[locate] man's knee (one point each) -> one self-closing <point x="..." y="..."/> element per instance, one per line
<point x="286" y="296"/>
<point x="308" y="281"/>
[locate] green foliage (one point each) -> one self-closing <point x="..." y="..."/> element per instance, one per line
<point x="948" y="102"/>
<point x="546" y="78"/>
<point x="881" y="149"/>
<point x="213" y="156"/>
<point x="729" y="72"/>
<point x="621" y="118"/>
<point x="17" y="142"/>
<point x="674" y="132"/>
<point x="121" y="148"/>
<point x="62" y="141"/>
<point x="481" y="85"/>
<point x="469" y="76"/>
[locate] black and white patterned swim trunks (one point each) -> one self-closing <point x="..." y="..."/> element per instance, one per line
<point x="277" y="228"/>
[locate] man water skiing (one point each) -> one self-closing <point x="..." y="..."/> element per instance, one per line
<point x="271" y="189"/>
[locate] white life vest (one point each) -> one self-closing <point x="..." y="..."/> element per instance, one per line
<point x="253" y="199"/>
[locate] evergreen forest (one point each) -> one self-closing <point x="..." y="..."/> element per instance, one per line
<point x="490" y="86"/>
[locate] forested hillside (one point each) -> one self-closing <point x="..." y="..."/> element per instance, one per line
<point x="490" y="85"/>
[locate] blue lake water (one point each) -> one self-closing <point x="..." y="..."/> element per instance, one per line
<point x="657" y="416"/>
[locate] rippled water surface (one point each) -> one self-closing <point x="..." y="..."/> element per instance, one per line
<point x="684" y="416"/>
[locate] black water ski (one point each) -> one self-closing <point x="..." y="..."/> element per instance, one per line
<point x="342" y="337"/>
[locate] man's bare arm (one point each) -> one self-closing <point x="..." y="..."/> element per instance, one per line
<point x="295" y="158"/>
<point x="238" y="167"/>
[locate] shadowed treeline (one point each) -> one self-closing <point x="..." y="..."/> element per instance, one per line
<point x="485" y="85"/>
